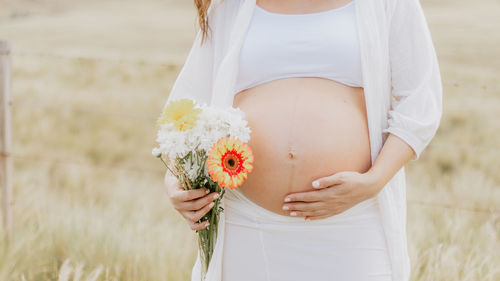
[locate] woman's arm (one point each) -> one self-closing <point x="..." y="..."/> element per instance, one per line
<point x="194" y="81"/>
<point x="416" y="106"/>
<point x="195" y="78"/>
<point x="394" y="155"/>
<point x="413" y="119"/>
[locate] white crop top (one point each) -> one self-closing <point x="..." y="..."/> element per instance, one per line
<point x="322" y="44"/>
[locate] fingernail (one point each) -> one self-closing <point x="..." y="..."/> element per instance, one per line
<point x="216" y="196"/>
<point x="285" y="208"/>
<point x="207" y="191"/>
<point x="211" y="204"/>
<point x="207" y="224"/>
<point x="293" y="214"/>
<point x="287" y="199"/>
<point x="315" y="183"/>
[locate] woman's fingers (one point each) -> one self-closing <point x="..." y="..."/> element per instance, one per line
<point x="306" y="196"/>
<point x="198" y="225"/>
<point x="199" y="203"/>
<point x="307" y="213"/>
<point x="195" y="210"/>
<point x="302" y="206"/>
<point x="194" y="216"/>
<point x="191" y="204"/>
<point x="192" y="194"/>
<point x="181" y="196"/>
<point x="197" y="215"/>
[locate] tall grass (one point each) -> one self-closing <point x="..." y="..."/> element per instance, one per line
<point x="89" y="199"/>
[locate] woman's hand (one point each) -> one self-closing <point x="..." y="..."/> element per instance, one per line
<point x="340" y="191"/>
<point x="191" y="204"/>
<point x="333" y="195"/>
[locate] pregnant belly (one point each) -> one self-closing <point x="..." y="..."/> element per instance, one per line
<point x="302" y="128"/>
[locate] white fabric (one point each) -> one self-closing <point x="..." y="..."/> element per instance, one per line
<point x="261" y="245"/>
<point x="401" y="81"/>
<point x="323" y="44"/>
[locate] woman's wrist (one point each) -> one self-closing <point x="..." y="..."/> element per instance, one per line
<point x="394" y="154"/>
<point x="376" y="181"/>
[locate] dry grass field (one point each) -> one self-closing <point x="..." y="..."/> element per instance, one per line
<point x="89" y="79"/>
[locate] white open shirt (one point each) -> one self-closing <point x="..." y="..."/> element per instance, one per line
<point x="402" y="88"/>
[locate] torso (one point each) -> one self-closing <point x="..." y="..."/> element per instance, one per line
<point x="300" y="88"/>
<point x="302" y="129"/>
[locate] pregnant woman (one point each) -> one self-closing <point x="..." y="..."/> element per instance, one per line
<point x="339" y="95"/>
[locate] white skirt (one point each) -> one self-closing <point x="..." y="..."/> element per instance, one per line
<point x="260" y="245"/>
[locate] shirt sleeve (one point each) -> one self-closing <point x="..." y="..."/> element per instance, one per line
<point x="416" y="91"/>
<point x="195" y="78"/>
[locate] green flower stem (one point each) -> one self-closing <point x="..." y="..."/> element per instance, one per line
<point x="166" y="165"/>
<point x="208" y="236"/>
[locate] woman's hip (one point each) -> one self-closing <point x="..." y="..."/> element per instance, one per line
<point x="264" y="245"/>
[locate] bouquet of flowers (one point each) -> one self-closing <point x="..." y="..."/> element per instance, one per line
<point x="204" y="147"/>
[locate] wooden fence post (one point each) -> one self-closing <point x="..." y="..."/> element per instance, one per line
<point x="5" y="139"/>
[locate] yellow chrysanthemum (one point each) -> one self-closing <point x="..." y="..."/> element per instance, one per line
<point x="182" y="113"/>
<point x="229" y="162"/>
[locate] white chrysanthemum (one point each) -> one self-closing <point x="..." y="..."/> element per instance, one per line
<point x="213" y="124"/>
<point x="172" y="142"/>
<point x="156" y="152"/>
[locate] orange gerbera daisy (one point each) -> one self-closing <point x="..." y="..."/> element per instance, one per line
<point x="229" y="162"/>
<point x="182" y="113"/>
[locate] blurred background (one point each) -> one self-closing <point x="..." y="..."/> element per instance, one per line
<point x="89" y="79"/>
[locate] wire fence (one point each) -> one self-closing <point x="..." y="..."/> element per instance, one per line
<point x="474" y="148"/>
<point x="454" y="207"/>
<point x="136" y="169"/>
<point x="149" y="118"/>
<point x="175" y="65"/>
<point x="117" y="60"/>
<point x="80" y="109"/>
<point x="85" y="163"/>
